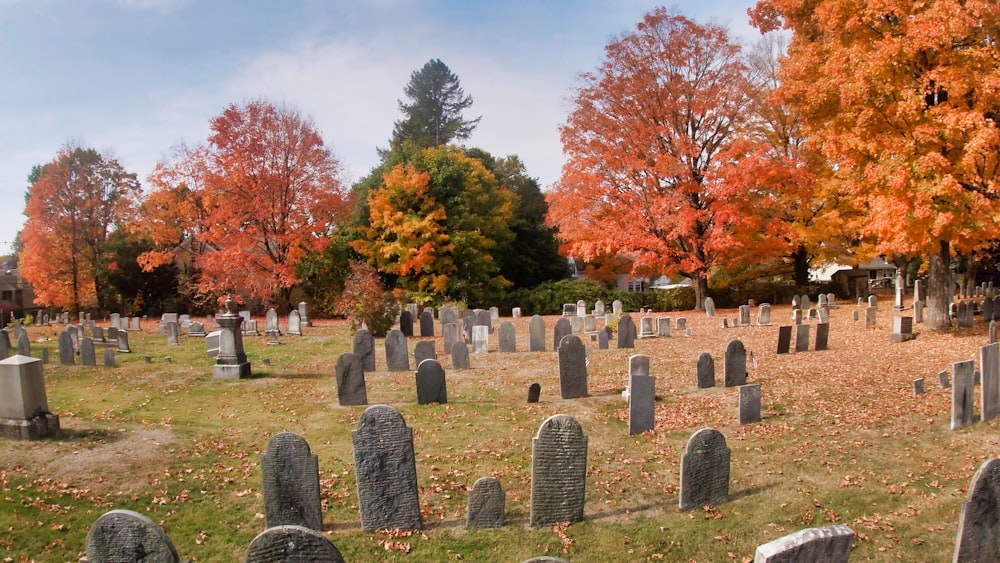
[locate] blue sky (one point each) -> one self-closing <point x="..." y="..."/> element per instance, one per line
<point x="136" y="77"/>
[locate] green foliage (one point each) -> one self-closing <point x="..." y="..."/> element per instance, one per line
<point x="434" y="115"/>
<point x="548" y="298"/>
<point x="322" y="274"/>
<point x="365" y="300"/>
<point x="124" y="280"/>
<point x="28" y="319"/>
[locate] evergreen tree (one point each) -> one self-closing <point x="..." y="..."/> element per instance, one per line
<point x="433" y="117"/>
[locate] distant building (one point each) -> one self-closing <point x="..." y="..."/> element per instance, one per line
<point x="856" y="281"/>
<point x="16" y="295"/>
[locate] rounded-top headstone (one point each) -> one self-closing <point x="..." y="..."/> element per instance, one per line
<point x="291" y="544"/>
<point x="123" y="535"/>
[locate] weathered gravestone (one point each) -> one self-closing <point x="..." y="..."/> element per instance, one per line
<point x="451" y="334"/>
<point x="534" y="392"/>
<point x="304" y="313"/>
<point x="764" y="314"/>
<point x="646" y="328"/>
<point x="285" y="544"/>
<point x="364" y="348"/>
<point x="506" y="338"/>
<point x="569" y="310"/>
<point x="124" y="535"/>
<point x="211" y="343"/>
<point x="431" y="384"/>
<point x="271" y="322"/>
<point x="749" y="409"/>
<point x="231" y="362"/>
<point x="735" y="365"/>
<point x="447" y="315"/>
<point x="978" y="526"/>
<point x="709" y="307"/>
<point x="195" y="329"/>
<point x="294" y="323"/>
<point x="599" y="309"/>
<point x="603" y="338"/>
<point x="423" y="350"/>
<point x="427" y="323"/>
<point x="23" y="344"/>
<point x="24" y="407"/>
<point x="581" y="308"/>
<point x="943" y="379"/>
<point x="663" y="326"/>
<point x="681" y="323"/>
<point x="397" y="355"/>
<point x="918" y="386"/>
<point x="989" y="392"/>
<point x="829" y="544"/>
<point x="406" y="323"/>
<point x="480" y="339"/>
<point x="706" y="371"/>
<point x="290" y="474"/>
<point x="487" y="503"/>
<point x="823" y="315"/>
<point x="641" y="402"/>
<point x="589" y="324"/>
<point x="351" y="389"/>
<point x="460" y="355"/>
<point x="704" y="470"/>
<point x="558" y="472"/>
<point x="902" y="329"/>
<point x="988" y="304"/>
<point x="5" y="344"/>
<point x="484" y="318"/>
<point x="744" y="315"/>
<point x="796" y="316"/>
<point x="536" y="334"/>
<point x="802" y="338"/>
<point x="385" y="471"/>
<point x="616" y="306"/>
<point x="992" y="332"/>
<point x="626" y="332"/>
<point x="784" y="339"/>
<point x="173" y="331"/>
<point x="962" y="391"/>
<point x="572" y="367"/>
<point x="88" y="356"/>
<point x="468" y="321"/>
<point x="109" y="358"/>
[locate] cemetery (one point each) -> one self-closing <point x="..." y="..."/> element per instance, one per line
<point x="711" y="438"/>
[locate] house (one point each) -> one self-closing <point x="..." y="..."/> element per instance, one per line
<point x="16" y="294"/>
<point x="856" y="281"/>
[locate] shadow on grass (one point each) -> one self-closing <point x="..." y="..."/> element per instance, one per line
<point x="86" y="435"/>
<point x="750" y="491"/>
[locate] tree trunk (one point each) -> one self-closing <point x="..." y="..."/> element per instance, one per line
<point x="700" y="283"/>
<point x="939" y="288"/>
<point x="800" y="263"/>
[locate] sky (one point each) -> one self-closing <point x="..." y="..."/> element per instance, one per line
<point x="133" y="78"/>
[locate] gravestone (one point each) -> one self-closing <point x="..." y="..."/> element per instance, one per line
<point x="480" y="339"/>
<point x="823" y="315"/>
<point x="795" y="302"/>
<point x="735" y="365"/>
<point x="173" y="332"/>
<point x="854" y="315"/>
<point x="599" y="309"/>
<point x="487" y="503"/>
<point x="24" y="406"/>
<point x="626" y="332"/>
<point x="450" y="334"/>
<point x="271" y="322"/>
<point x="978" y="526"/>
<point x="831" y="301"/>
<point x="616" y="307"/>
<point x="988" y="309"/>
<point x="918" y="291"/>
<point x="709" y="307"/>
<point x="397" y="355"/>
<point x="304" y="313"/>
<point x="290" y="474"/>
<point x="704" y="475"/>
<point x="575" y="324"/>
<point x="992" y="332"/>
<point x="569" y="310"/>
<point x="962" y="390"/>
<point x="231" y="362"/>
<point x="804" y="302"/>
<point x="109" y="358"/>
<point x="663" y="326"/>
<point x="943" y="379"/>
<point x="802" y="338"/>
<point x="536" y="334"/>
<point x="294" y="323"/>
<point x="829" y="544"/>
<point x="641" y="401"/>
<point x="406" y="323"/>
<point x="796" y="316"/>
<point x="97" y="333"/>
<point x="23" y="344"/>
<point x="706" y="371"/>
<point x="124" y="535"/>
<point x="581" y="308"/>
<point x="558" y="472"/>
<point x="822" y="336"/>
<point x="484" y="318"/>
<point x="506" y="339"/>
<point x="638" y="364"/>
<point x="431" y="384"/>
<point x="460" y="355"/>
<point x="87" y="355"/>
<point x="821" y="302"/>
<point x="749" y="409"/>
<point x="646" y="328"/>
<point x="5" y="343"/>
<point x="603" y="337"/>
<point x="211" y="343"/>
<point x="363" y="347"/>
<point x="572" y="367"/>
<point x="423" y="350"/>
<point x="918" y="386"/>
<point x="282" y="544"/>
<point x="562" y="329"/>
<point x="744" y="315"/>
<point x="135" y="323"/>
<point x="447" y="315"/>
<point x="681" y="323"/>
<point x="494" y="317"/>
<point x="414" y="310"/>
<point x="385" y="471"/>
<point x="427" y="323"/>
<point x="989" y="392"/>
<point x="534" y="392"/>
<point x="350" y="373"/>
<point x="195" y="329"/>
<point x="902" y="329"/>
<point x="589" y="324"/>
<point x="784" y="339"/>
<point x="764" y="314"/>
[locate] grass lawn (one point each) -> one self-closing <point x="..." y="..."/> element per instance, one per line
<point x="843" y="440"/>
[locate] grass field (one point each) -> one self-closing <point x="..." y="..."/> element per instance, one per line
<point x="843" y="440"/>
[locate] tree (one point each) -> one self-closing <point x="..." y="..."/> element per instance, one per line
<point x="649" y="140"/>
<point x="433" y="117"/>
<point x="72" y="205"/>
<point x="899" y="96"/>
<point x="260" y="196"/>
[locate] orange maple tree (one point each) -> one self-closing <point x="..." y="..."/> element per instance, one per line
<point x="648" y="143"/>
<point x="263" y="193"/>
<point x="73" y="203"/>
<point x="902" y="98"/>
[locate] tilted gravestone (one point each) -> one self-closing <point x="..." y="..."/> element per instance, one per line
<point x="424" y="350"/>
<point x="558" y="472"/>
<point x="561" y="329"/>
<point x="822" y="336"/>
<point x="351" y="389"/>
<point x="460" y="355"/>
<point x="709" y="307"/>
<point x="626" y="332"/>
<point x="978" y="526"/>
<point x="989" y="391"/>
<point x="706" y="371"/>
<point x="290" y="474"/>
<point x="487" y="503"/>
<point x="397" y="355"/>
<point x="506" y="337"/>
<point x="802" y="338"/>
<point x="704" y="470"/>
<point x="385" y="471"/>
<point x="124" y="535"/>
<point x="406" y="323"/>
<point x="641" y="403"/>
<point x="962" y="390"/>
<point x="784" y="339"/>
<point x="735" y="364"/>
<point x="536" y="334"/>
<point x="431" y="384"/>
<point x="364" y="348"/>
<point x="282" y="544"/>
<point x="829" y="544"/>
<point x="534" y="392"/>
<point x="572" y="367"/>
<point x="749" y="409"/>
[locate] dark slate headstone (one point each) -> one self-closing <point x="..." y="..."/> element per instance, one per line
<point x="603" y="337"/>
<point x="424" y="350"/>
<point x="704" y="470"/>
<point x="283" y="544"/>
<point x="626" y="332"/>
<point x="123" y="343"/>
<point x="427" y="323"/>
<point x="562" y="328"/>
<point x="406" y="323"/>
<point x="558" y="472"/>
<point x="641" y="403"/>
<point x="291" y="483"/>
<point x="536" y="334"/>
<point x="802" y="338"/>
<point x="23" y="343"/>
<point x="451" y="334"/>
<point x="66" y="355"/>
<point x="483" y="318"/>
<point x="534" y="392"/>
<point x="487" y="503"/>
<point x="822" y="336"/>
<point x="918" y="386"/>
<point x="962" y="391"/>
<point x="706" y="371"/>
<point x="572" y="367"/>
<point x="978" y="526"/>
<point x="351" y="389"/>
<point x="784" y="339"/>
<point x="385" y="471"/>
<point x="460" y="355"/>
<point x="735" y="364"/>
<point x="397" y="355"/>
<point x="468" y="321"/>
<point x="447" y="315"/>
<point x="431" y="385"/>
<point x="87" y="355"/>
<point x="123" y="535"/>
<point x="109" y="358"/>
<point x="364" y="348"/>
<point x="829" y="544"/>
<point x="506" y="337"/>
<point x="749" y="410"/>
<point x="989" y="392"/>
<point x="943" y="379"/>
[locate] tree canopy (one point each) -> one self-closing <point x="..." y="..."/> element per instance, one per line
<point x="433" y="116"/>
